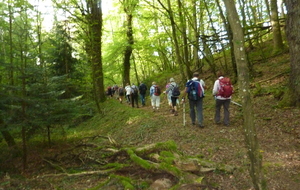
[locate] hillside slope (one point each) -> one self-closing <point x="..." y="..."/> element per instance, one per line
<point x="277" y="129"/>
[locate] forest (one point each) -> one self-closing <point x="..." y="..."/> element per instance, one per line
<point x="59" y="130"/>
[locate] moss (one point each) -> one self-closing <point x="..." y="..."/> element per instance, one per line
<point x="168" y="145"/>
<point x="136" y="159"/>
<point x="125" y="181"/>
<point x="170" y="168"/>
<point x="100" y="185"/>
<point x="167" y="157"/>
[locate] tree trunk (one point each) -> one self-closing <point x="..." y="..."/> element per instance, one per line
<point x="244" y="92"/>
<point x="195" y="36"/>
<point x="95" y="27"/>
<point x="229" y="34"/>
<point x="277" y="39"/>
<point x="168" y="9"/>
<point x="128" y="50"/>
<point x="293" y="36"/>
<point x="128" y="9"/>
<point x="183" y="28"/>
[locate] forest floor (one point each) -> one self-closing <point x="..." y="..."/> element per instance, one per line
<point x="278" y="132"/>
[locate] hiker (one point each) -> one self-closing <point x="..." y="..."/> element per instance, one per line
<point x="221" y="101"/>
<point x="121" y="93"/>
<point x="155" y="96"/>
<point x="195" y="90"/>
<point x="168" y="95"/>
<point x="134" y="96"/>
<point x="143" y="90"/>
<point x="108" y="91"/>
<point x="115" y="91"/>
<point x="173" y="97"/>
<point x="128" y="93"/>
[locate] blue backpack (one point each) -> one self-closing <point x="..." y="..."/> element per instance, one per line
<point x="195" y="90"/>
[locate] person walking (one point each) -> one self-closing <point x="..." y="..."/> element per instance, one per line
<point x="134" y="96"/>
<point x="109" y="92"/>
<point x="155" y="96"/>
<point x="128" y="93"/>
<point x="168" y="96"/>
<point x="174" y="97"/>
<point x="143" y="90"/>
<point x="195" y="90"/>
<point x="121" y="93"/>
<point x="221" y="101"/>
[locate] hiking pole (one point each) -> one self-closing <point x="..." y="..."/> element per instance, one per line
<point x="236" y="103"/>
<point x="183" y="108"/>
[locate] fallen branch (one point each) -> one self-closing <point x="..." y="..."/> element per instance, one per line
<point x="102" y="172"/>
<point x="275" y="76"/>
<point x="55" y="165"/>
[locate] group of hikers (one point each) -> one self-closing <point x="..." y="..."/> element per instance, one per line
<point x="193" y="93"/>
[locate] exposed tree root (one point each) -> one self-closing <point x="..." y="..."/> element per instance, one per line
<point x="150" y="159"/>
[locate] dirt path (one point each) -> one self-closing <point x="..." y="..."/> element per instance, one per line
<point x="279" y="143"/>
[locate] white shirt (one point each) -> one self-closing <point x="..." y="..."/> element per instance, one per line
<point x="128" y="90"/>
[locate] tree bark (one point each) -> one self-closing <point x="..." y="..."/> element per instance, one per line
<point x="195" y="36"/>
<point x="293" y="37"/>
<point x="128" y="50"/>
<point x="129" y="7"/>
<point x="183" y="28"/>
<point x="277" y="38"/>
<point x="169" y="10"/>
<point x="244" y="92"/>
<point x="95" y="27"/>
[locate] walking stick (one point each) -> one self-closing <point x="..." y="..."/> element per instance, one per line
<point x="183" y="107"/>
<point x="235" y="103"/>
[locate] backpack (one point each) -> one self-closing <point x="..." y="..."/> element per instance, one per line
<point x="175" y="91"/>
<point x="143" y="88"/>
<point x="157" y="90"/>
<point x="195" y="90"/>
<point x="226" y="89"/>
<point x="121" y="91"/>
<point x="135" y="90"/>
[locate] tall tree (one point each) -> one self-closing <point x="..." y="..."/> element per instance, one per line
<point x="129" y="8"/>
<point x="277" y="38"/>
<point x="293" y="36"/>
<point x="244" y="92"/>
<point x="175" y="43"/>
<point x="95" y="30"/>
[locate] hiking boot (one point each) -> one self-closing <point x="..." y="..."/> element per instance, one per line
<point x="200" y="126"/>
<point x="175" y="113"/>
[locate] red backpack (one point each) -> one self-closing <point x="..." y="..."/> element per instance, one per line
<point x="226" y="88"/>
<point x="157" y="90"/>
